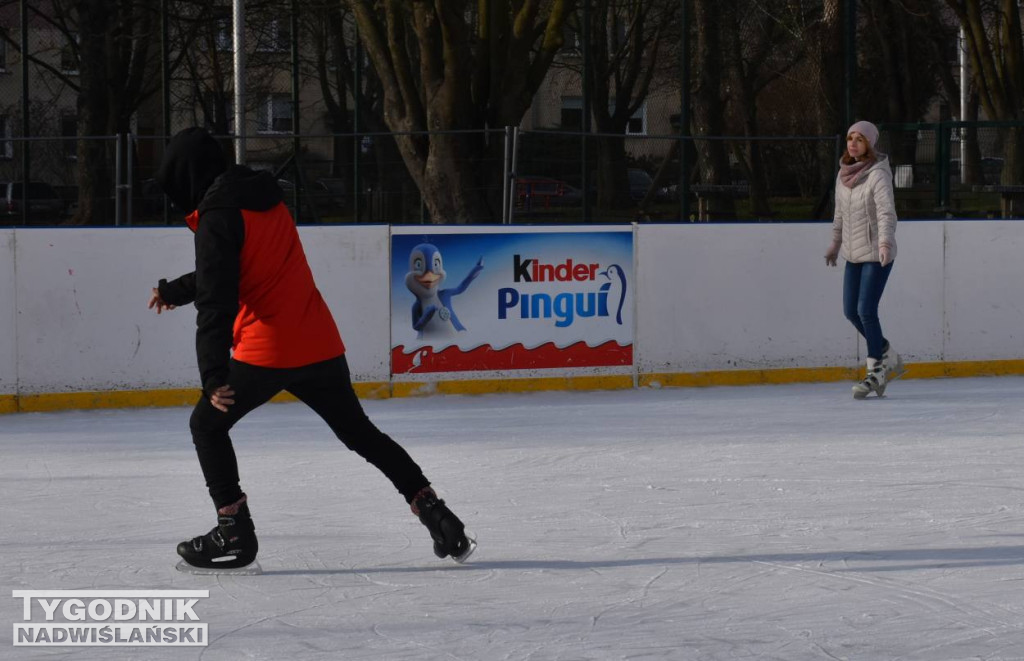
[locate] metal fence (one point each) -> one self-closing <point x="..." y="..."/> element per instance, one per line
<point x="949" y="170"/>
<point x="954" y="169"/>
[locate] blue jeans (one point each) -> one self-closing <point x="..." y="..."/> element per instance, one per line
<point x="863" y="285"/>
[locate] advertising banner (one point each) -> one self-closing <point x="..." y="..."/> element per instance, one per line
<point x="484" y="299"/>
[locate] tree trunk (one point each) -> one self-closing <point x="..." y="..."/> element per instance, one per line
<point x="612" y="169"/>
<point x="708" y="108"/>
<point x="451" y="190"/>
<point x="1013" y="155"/>
<point x="95" y="185"/>
<point x="442" y="71"/>
<point x="828" y="61"/>
<point x="998" y="76"/>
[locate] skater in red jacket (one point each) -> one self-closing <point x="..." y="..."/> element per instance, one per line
<point x="263" y="327"/>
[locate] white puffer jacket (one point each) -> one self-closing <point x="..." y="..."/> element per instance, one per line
<point x="866" y="214"/>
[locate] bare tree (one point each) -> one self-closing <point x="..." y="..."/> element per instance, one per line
<point x="456" y="66"/>
<point x="708" y="104"/>
<point x="632" y="52"/>
<point x="899" y="79"/>
<point x="106" y="59"/>
<point x="763" y="45"/>
<point x="996" y="52"/>
<point x="332" y="60"/>
<point x="105" y="52"/>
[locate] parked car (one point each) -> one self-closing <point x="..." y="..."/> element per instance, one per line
<point x="44" y="204"/>
<point x="640" y="181"/>
<point x="538" y="193"/>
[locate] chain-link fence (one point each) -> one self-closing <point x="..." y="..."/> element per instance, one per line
<point x="950" y="170"/>
<point x="642" y="177"/>
<point x="53" y="194"/>
<point x="954" y="169"/>
<point x="308" y="72"/>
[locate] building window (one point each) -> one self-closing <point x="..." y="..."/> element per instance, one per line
<point x="275" y="36"/>
<point x="223" y="34"/>
<point x="637" y="124"/>
<point x="274" y="114"/>
<point x="69" y="135"/>
<point x="572" y="113"/>
<point x="6" y="144"/>
<point x="218" y="111"/>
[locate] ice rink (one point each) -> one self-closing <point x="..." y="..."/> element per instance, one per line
<point x="763" y="522"/>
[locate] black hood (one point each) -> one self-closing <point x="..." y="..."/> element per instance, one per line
<point x="192" y="160"/>
<point x="243" y="188"/>
<point x="195" y="175"/>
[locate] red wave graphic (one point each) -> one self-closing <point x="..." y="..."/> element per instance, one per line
<point x="514" y="357"/>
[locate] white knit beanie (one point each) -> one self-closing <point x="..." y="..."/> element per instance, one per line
<point x="866" y="129"/>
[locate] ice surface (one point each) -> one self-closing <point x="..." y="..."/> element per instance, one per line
<point x="252" y="569"/>
<point x="774" y="522"/>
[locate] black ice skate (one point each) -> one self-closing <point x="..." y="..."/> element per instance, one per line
<point x="447" y="531"/>
<point x="230" y="547"/>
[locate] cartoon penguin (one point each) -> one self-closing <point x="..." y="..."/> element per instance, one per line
<point x="432" y="313"/>
<point x="620" y="276"/>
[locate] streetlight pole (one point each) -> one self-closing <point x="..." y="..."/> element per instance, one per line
<point x="238" y="42"/>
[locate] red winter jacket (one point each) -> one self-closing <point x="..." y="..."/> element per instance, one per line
<point x="252" y="286"/>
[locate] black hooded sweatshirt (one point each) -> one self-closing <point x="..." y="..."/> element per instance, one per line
<point x="253" y="294"/>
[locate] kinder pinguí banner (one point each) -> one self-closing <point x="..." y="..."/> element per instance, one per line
<point x="506" y="299"/>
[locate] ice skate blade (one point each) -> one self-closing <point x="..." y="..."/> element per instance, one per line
<point x="880" y="393"/>
<point x="469" y="551"/>
<point x="252" y="569"/>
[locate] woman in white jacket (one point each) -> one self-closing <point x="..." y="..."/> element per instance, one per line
<point x="865" y="228"/>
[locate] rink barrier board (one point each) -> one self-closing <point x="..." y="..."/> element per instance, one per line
<point x="749" y="377"/>
<point x="923" y="370"/>
<point x="65" y="304"/>
<point x="492" y="386"/>
<point x="117" y="399"/>
<point x="43" y="402"/>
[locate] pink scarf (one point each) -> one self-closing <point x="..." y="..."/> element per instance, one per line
<point x="849" y="174"/>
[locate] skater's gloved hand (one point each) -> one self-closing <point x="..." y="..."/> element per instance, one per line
<point x="884" y="254"/>
<point x="222" y="398"/>
<point x="832" y="254"/>
<point x="156" y="301"/>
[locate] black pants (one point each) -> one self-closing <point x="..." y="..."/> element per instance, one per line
<point x="326" y="388"/>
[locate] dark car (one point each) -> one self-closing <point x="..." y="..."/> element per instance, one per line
<point x="538" y="193"/>
<point x="44" y="204"/>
